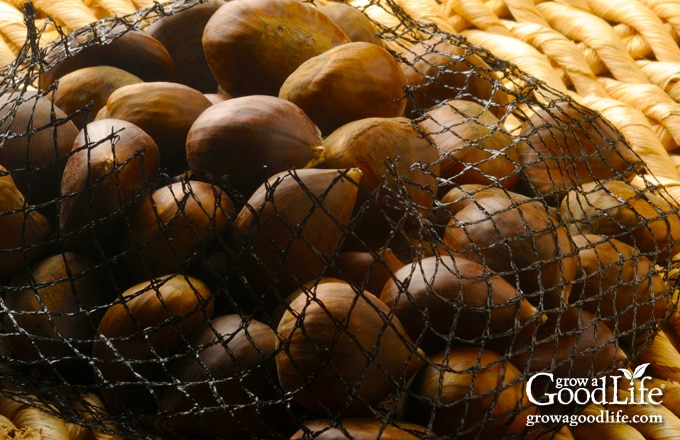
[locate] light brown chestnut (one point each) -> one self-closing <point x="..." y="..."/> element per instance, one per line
<point x="241" y="142"/>
<point x="26" y="232"/>
<point x="348" y="82"/>
<point x="521" y="241"/>
<point x="468" y="393"/>
<point x="448" y="300"/>
<point x="352" y="21"/>
<point x="112" y="164"/>
<point x="291" y="226"/>
<point x="181" y="33"/>
<point x="399" y="171"/>
<point x="341" y="351"/>
<point x="165" y="110"/>
<point x="39" y="137"/>
<point x="437" y="70"/>
<point x="86" y="90"/>
<point x="252" y="45"/>
<point x="614" y="208"/>
<point x="571" y="343"/>
<point x="55" y="308"/>
<point x="140" y="331"/>
<point x="168" y="230"/>
<point x="621" y="286"/>
<point x="564" y="145"/>
<point x="474" y="146"/>
<point x="461" y="196"/>
<point x="228" y="371"/>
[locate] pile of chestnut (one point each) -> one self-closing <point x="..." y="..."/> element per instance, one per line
<point x="253" y="218"/>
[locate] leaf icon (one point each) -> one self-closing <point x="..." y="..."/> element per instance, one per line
<point x="627" y="373"/>
<point x="640" y="371"/>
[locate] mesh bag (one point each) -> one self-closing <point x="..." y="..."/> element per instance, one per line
<point x="500" y="232"/>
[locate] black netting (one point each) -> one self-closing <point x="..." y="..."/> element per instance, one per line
<point x="407" y="283"/>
